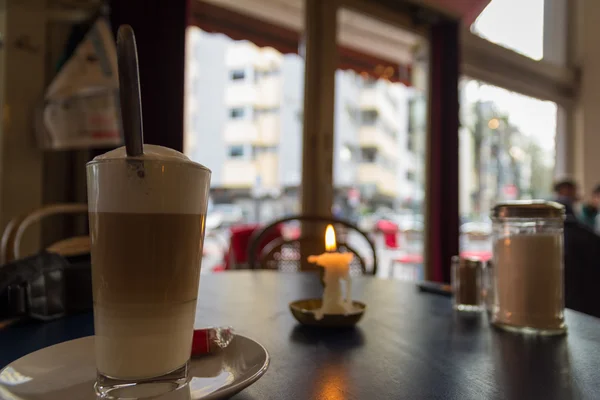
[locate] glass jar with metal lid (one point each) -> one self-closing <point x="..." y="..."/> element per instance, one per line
<point x="466" y="283"/>
<point x="528" y="274"/>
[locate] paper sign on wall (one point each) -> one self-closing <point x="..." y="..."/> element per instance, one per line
<point x="81" y="105"/>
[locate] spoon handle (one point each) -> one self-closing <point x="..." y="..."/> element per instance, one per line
<point x="129" y="90"/>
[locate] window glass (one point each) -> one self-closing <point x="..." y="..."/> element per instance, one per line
<point x="236" y="151"/>
<point x="368" y="117"/>
<point x="238" y="75"/>
<point x="237" y="113"/>
<point x="507" y="153"/>
<point x="515" y="24"/>
<point x="244" y="101"/>
<point x="368" y="154"/>
<point x="376" y="91"/>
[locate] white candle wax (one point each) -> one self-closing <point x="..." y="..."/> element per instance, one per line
<point x="337" y="268"/>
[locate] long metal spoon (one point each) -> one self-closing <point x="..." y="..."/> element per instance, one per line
<point x="129" y="89"/>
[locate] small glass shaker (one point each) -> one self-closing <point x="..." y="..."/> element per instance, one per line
<point x="466" y="283"/>
<point x="487" y="286"/>
<point x="528" y="273"/>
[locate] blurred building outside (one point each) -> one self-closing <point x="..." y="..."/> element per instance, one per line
<point x="244" y="108"/>
<point x="244" y="113"/>
<point x="244" y="121"/>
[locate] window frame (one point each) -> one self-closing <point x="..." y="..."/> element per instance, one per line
<point x="481" y="60"/>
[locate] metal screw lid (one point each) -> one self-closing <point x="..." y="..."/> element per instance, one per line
<point x="529" y="209"/>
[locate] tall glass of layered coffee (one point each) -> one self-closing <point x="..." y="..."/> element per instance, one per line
<point x="147" y="229"/>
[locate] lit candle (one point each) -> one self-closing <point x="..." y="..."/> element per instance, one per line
<point x="337" y="268"/>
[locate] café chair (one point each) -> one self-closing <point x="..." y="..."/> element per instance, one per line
<point x="283" y="253"/>
<point x="411" y="259"/>
<point x="240" y="236"/>
<point x="10" y="244"/>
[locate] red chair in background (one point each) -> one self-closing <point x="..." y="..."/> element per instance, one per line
<point x="389" y="230"/>
<point x="411" y="259"/>
<point x="240" y="235"/>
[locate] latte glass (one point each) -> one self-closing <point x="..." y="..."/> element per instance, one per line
<point x="147" y="228"/>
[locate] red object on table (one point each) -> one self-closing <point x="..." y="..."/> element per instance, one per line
<point x="210" y="340"/>
<point x="200" y="343"/>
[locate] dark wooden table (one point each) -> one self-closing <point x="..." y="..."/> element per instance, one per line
<point x="409" y="345"/>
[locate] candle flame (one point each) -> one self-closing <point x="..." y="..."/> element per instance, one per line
<point x="330" y="244"/>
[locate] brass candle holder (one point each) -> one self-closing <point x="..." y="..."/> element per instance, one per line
<point x="304" y="312"/>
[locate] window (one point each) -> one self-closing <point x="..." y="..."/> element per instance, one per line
<point x="507" y="153"/>
<point x="238" y="75"/>
<point x="410" y="145"/>
<point x="236" y="151"/>
<point x="515" y="24"/>
<point x="237" y="113"/>
<point x="236" y="72"/>
<point x="380" y="93"/>
<point x="368" y="154"/>
<point x="368" y="117"/>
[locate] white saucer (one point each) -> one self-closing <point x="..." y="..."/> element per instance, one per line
<point x="67" y="371"/>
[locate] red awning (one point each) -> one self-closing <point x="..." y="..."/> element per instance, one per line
<point x="238" y="26"/>
<point x="467" y="10"/>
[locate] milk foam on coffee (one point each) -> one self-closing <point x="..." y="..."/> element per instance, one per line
<point x="154" y="193"/>
<point x="146" y="222"/>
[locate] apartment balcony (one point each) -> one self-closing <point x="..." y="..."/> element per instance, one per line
<point x="384" y="180"/>
<point x="268" y="59"/>
<point x="262" y="131"/>
<point x="268" y="92"/>
<point x="243" y="131"/>
<point x="239" y="174"/>
<point x="375" y="98"/>
<point x="267" y="167"/>
<point x="375" y="136"/>
<point x="269" y="129"/>
<point x="241" y="94"/>
<point x="247" y="173"/>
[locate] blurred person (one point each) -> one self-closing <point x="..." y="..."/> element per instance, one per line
<point x="565" y="193"/>
<point x="589" y="211"/>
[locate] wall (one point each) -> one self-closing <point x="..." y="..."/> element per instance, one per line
<point x="586" y="138"/>
<point x="21" y="87"/>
